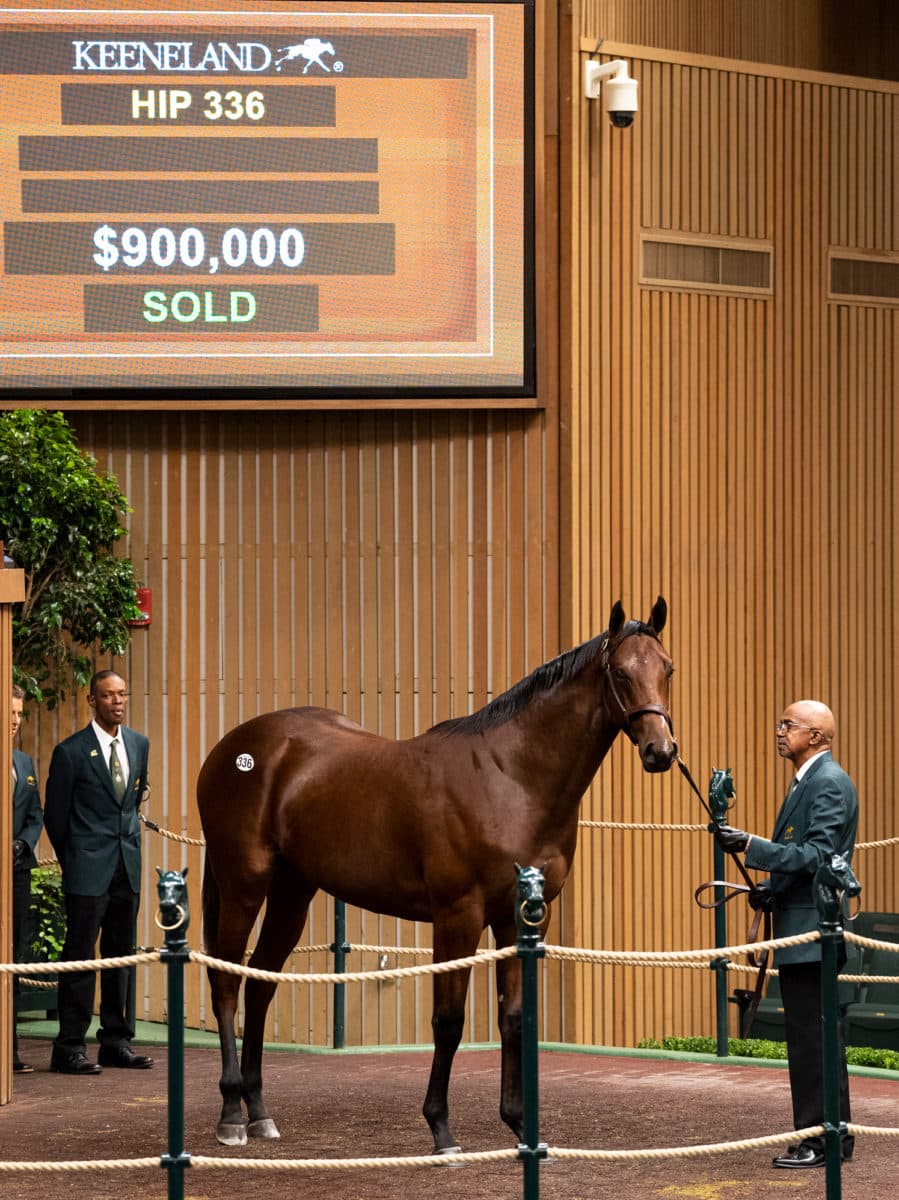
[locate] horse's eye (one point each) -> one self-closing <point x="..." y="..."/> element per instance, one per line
<point x="621" y="676"/>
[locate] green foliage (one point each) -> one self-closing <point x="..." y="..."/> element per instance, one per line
<point x="857" y="1056"/>
<point x="60" y="521"/>
<point x="49" y="913"/>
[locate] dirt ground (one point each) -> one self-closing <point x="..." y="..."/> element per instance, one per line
<point x="355" y="1105"/>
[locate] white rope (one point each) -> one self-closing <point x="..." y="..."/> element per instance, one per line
<point x="86" y="964"/>
<point x="772" y="1139"/>
<point x="871" y="1130"/>
<point x="663" y="958"/>
<point x="642" y="825"/>
<point x="100" y="1164"/>
<point x="458" y="964"/>
<point x="364" y="949"/>
<point x="352" y="1164"/>
<point x="871" y="943"/>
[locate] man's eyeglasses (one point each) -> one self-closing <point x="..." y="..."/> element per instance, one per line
<point x="789" y="726"/>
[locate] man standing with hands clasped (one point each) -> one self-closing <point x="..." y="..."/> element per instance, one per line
<point x="818" y="819"/>
<point x="96" y="782"/>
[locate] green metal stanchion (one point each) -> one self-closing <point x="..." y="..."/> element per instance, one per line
<point x="173" y="918"/>
<point x="721" y="790"/>
<point x="339" y="949"/>
<point x="833" y="880"/>
<point x="529" y="914"/>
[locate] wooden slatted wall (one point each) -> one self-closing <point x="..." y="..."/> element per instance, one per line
<point x="735" y="451"/>
<point x="817" y="35"/>
<point x="399" y="568"/>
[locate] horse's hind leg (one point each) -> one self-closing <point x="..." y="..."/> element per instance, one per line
<point x="228" y="921"/>
<point x="285" y="915"/>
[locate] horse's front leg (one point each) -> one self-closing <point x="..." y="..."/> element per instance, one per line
<point x="508" y="994"/>
<point x="451" y="940"/>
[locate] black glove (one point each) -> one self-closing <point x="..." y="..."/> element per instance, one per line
<point x="761" y="900"/>
<point x="19" y="851"/>
<point x="730" y="839"/>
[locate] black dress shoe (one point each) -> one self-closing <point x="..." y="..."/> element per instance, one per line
<point x="799" y="1157"/>
<point x="73" y="1064"/>
<point x="123" y="1056"/>
<point x="21" y="1068"/>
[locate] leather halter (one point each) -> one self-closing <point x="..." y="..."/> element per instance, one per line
<point x="638" y="710"/>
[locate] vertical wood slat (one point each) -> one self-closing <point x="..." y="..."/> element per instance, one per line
<point x="306" y="558"/>
<point x="775" y="416"/>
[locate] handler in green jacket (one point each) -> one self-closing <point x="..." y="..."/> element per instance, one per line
<point x="96" y="782"/>
<point x="818" y="819"/>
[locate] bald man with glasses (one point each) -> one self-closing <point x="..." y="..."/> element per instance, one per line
<point x="818" y="818"/>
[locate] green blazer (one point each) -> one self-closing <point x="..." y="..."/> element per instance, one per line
<point x="87" y="826"/>
<point x="818" y="818"/>
<point x="27" y="818"/>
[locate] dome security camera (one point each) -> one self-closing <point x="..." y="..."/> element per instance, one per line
<point x="620" y="90"/>
<point x="621" y="101"/>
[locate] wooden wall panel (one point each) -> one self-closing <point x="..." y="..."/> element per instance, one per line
<point x="858" y="39"/>
<point x="397" y="567"/>
<point x="734" y="452"/>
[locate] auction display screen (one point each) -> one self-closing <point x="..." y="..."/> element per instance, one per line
<point x="325" y="199"/>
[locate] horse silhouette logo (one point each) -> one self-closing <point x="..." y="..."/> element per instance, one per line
<point x="312" y="50"/>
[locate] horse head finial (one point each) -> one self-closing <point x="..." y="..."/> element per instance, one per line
<point x="531" y="905"/>
<point x="172" y="892"/>
<point x="834" y="879"/>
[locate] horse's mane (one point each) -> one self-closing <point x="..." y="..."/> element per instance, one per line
<point x="547" y="676"/>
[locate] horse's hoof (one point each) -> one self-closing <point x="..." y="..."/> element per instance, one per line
<point x="265" y="1128"/>
<point x="231" y="1134"/>
<point x="449" y="1150"/>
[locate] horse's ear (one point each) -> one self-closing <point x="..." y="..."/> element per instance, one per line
<point x="659" y="614"/>
<point x="159" y="872"/>
<point x="616" y="620"/>
<point x="184" y="872"/>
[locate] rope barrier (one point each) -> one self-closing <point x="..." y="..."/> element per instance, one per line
<point x="651" y="826"/>
<point x="643" y="825"/>
<point x="662" y="958"/>
<point x="100" y="1164"/>
<point x="85" y="964"/>
<point x="457" y="964"/>
<point x="690" y="958"/>
<point x="365" y="949"/>
<point x="558" y="1153"/>
<point x="352" y="1164"/>
<point x="871" y="943"/>
<point x="871" y="1130"/>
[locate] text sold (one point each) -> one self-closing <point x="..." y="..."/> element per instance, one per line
<point x="187" y="307"/>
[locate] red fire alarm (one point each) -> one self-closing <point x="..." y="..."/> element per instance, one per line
<point x="143" y="598"/>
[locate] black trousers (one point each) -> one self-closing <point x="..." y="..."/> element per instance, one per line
<point x="111" y="917"/>
<point x="800" y="988"/>
<point x="21" y="933"/>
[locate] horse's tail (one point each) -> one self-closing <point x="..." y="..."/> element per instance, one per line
<point x="211" y="907"/>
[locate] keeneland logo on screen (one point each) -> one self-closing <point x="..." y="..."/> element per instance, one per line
<point x="311" y="51"/>
<point x="200" y="57"/>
